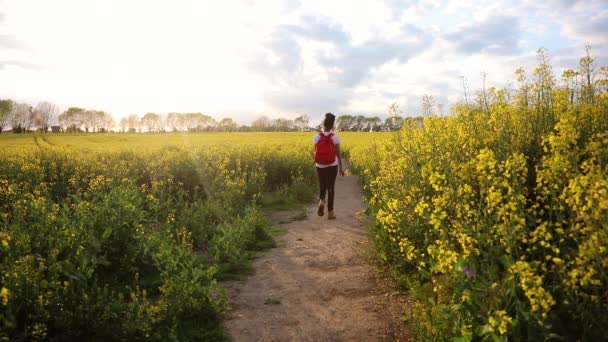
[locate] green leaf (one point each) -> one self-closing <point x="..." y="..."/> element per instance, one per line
<point x="464" y="338"/>
<point x="106" y="233"/>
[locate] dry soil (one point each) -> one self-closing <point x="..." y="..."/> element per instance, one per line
<point x="319" y="284"/>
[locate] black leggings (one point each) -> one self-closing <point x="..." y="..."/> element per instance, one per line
<point x="327" y="180"/>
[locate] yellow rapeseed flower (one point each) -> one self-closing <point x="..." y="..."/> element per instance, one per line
<point x="500" y="320"/>
<point x="5" y="295"/>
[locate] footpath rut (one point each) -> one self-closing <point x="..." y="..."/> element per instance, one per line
<point x="318" y="284"/>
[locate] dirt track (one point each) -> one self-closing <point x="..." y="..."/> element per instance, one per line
<point x="319" y="284"/>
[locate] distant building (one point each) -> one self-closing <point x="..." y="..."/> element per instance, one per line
<point x="56" y="129"/>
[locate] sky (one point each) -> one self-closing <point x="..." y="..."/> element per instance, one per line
<point x="282" y="58"/>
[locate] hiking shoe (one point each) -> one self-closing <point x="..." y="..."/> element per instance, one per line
<point x="321" y="210"/>
<point x="330" y="215"/>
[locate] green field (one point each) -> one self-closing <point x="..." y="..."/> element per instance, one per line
<point x="151" y="141"/>
<point x="125" y="236"/>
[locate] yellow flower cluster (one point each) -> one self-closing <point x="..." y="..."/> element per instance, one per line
<point x="5" y="237"/>
<point x="466" y="296"/>
<point x="99" y="182"/>
<point x="531" y="283"/>
<point x="511" y="191"/>
<point x="499" y="320"/>
<point x="591" y="252"/>
<point x="443" y="257"/>
<point x="5" y="295"/>
<point x="407" y="249"/>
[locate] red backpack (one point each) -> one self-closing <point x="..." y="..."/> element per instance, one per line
<point x="325" y="152"/>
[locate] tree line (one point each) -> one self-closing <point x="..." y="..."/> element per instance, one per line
<point x="22" y="117"/>
<point x="44" y="116"/>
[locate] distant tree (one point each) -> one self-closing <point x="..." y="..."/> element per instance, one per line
<point x="107" y="122"/>
<point x="301" y="122"/>
<point x="134" y="122"/>
<point x="283" y="125"/>
<point x="193" y="121"/>
<point x="88" y="119"/>
<point x="6" y="107"/>
<point x="227" y="125"/>
<point x="47" y="114"/>
<point x="96" y="119"/>
<point x="260" y="124"/>
<point x="162" y="122"/>
<point x="124" y="124"/>
<point x="345" y="122"/>
<point x="173" y="121"/>
<point x="72" y="119"/>
<point x="190" y="119"/>
<point x="22" y="117"/>
<point x="365" y="124"/>
<point x="209" y="123"/>
<point x="182" y="121"/>
<point x="393" y="123"/>
<point x="151" y="121"/>
<point x="373" y="123"/>
<point x="359" y="123"/>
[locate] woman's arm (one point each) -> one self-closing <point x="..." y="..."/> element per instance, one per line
<point x="339" y="160"/>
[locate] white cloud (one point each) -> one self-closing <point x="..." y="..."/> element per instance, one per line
<point x="588" y="28"/>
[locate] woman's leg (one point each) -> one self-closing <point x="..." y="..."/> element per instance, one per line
<point x="321" y="173"/>
<point x="332" y="173"/>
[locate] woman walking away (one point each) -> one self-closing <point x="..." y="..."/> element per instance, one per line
<point x="327" y="160"/>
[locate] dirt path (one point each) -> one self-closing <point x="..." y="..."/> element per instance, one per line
<point x="318" y="285"/>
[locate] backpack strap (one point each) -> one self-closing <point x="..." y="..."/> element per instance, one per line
<point x="323" y="136"/>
